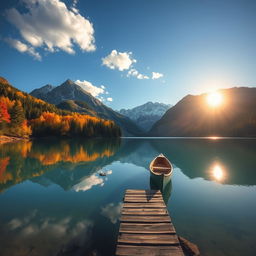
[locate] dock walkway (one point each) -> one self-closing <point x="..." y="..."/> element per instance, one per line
<point x="146" y="227"/>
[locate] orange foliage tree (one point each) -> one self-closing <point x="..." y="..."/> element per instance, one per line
<point x="4" y="115"/>
<point x="49" y="124"/>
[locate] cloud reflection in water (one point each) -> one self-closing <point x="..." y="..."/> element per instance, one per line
<point x="45" y="235"/>
<point x="112" y="211"/>
<point x="91" y="181"/>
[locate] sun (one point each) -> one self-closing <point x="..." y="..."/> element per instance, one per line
<point x="214" y="99"/>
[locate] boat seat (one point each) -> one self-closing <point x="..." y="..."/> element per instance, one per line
<point x="161" y="171"/>
<point x="160" y="167"/>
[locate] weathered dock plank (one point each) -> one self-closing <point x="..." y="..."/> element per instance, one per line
<point x="139" y="191"/>
<point x="146" y="227"/>
<point x="142" y="200"/>
<point x="144" y="205"/>
<point x="139" y="218"/>
<point x="148" y="239"/>
<point x="124" y="250"/>
<point x="144" y="211"/>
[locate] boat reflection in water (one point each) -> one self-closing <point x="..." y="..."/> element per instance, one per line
<point x="164" y="184"/>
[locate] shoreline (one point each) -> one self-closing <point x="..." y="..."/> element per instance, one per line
<point x="8" y="139"/>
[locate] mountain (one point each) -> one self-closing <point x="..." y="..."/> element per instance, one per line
<point x="23" y="115"/>
<point x="147" y="114"/>
<point x="70" y="96"/>
<point x="192" y="116"/>
<point x="76" y="106"/>
<point x="39" y="93"/>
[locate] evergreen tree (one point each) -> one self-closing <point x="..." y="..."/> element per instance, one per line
<point x="17" y="115"/>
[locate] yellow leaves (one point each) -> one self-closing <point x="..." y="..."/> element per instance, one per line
<point x="26" y="128"/>
<point x="62" y="124"/>
<point x="20" y="94"/>
<point x="39" y="101"/>
<point x="9" y="103"/>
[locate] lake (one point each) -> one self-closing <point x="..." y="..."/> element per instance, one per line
<point x="54" y="202"/>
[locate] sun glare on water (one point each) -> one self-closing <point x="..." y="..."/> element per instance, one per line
<point x="218" y="172"/>
<point x="214" y="99"/>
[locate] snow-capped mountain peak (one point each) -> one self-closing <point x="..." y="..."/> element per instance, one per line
<point x="147" y="114"/>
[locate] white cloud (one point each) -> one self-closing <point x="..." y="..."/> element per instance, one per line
<point x="21" y="47"/>
<point x="140" y="76"/>
<point x="109" y="99"/>
<point x="118" y="60"/>
<point x="89" y="87"/>
<point x="112" y="212"/>
<point x="74" y="6"/>
<point x="135" y="73"/>
<point x="51" y="25"/>
<point x="156" y="75"/>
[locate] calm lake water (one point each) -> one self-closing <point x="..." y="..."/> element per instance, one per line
<point x="54" y="202"/>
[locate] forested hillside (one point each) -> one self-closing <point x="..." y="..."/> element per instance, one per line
<point x="72" y="97"/>
<point x="24" y="115"/>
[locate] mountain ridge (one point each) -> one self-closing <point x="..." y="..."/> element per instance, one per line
<point x="70" y="91"/>
<point x="191" y="116"/>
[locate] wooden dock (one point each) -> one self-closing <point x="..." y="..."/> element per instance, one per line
<point x="146" y="227"/>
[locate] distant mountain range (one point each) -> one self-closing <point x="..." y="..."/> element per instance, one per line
<point x="147" y="114"/>
<point x="193" y="117"/>
<point x="70" y="96"/>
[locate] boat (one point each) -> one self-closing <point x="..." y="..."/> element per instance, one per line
<point x="161" y="171"/>
<point x="161" y="166"/>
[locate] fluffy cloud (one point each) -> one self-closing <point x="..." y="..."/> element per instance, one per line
<point x="109" y="99"/>
<point x="118" y="60"/>
<point x="92" y="89"/>
<point x="21" y="47"/>
<point x="74" y="6"/>
<point x="51" y="25"/>
<point x="135" y="73"/>
<point x="156" y="75"/>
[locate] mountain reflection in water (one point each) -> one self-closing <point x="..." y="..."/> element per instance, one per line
<point x="27" y="160"/>
<point x="54" y="202"/>
<point x="220" y="160"/>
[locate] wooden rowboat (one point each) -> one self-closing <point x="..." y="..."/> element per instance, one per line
<point x="160" y="175"/>
<point x="161" y="166"/>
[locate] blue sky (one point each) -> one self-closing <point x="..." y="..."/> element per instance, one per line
<point x="193" y="46"/>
